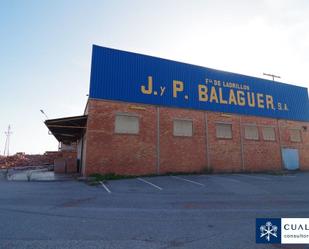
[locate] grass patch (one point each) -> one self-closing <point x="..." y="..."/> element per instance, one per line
<point x="180" y="173"/>
<point x="267" y="172"/>
<point x="283" y="173"/>
<point x="98" y="177"/>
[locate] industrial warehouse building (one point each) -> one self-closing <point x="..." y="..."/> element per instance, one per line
<point x="147" y="115"/>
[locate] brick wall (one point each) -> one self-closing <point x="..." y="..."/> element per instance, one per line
<point x="303" y="147"/>
<point x="131" y="154"/>
<point x="182" y="154"/>
<point x="224" y="154"/>
<point x="108" y="152"/>
<point x="261" y="155"/>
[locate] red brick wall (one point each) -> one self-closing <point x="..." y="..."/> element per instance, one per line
<point x="182" y="154"/>
<point x="108" y="152"/>
<point x="261" y="155"/>
<point x="224" y="154"/>
<point x="303" y="147"/>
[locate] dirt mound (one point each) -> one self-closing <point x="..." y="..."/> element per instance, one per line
<point x="22" y="159"/>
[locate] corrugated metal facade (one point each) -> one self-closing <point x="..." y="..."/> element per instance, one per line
<point x="131" y="77"/>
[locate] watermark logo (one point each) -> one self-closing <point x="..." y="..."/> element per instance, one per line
<point x="268" y="230"/>
<point x="282" y="230"/>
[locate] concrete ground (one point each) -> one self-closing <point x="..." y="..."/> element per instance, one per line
<point x="187" y="211"/>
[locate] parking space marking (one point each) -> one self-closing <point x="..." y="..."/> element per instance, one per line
<point x="143" y="180"/>
<point x="255" y="177"/>
<point x="106" y="188"/>
<point x="187" y="180"/>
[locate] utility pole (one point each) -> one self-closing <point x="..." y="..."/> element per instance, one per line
<point x="7" y="142"/>
<point x="272" y="75"/>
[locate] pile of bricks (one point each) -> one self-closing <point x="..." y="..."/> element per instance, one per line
<point x="22" y="159"/>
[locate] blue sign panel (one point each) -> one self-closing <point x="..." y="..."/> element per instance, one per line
<point x="268" y="231"/>
<point x="131" y="77"/>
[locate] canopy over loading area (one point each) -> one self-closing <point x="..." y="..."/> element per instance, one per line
<point x="69" y="129"/>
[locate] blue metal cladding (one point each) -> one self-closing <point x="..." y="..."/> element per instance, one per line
<point x="130" y="77"/>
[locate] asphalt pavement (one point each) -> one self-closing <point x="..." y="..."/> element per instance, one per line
<point x="184" y="211"/>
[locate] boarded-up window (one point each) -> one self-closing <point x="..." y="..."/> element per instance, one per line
<point x="224" y="131"/>
<point x="126" y="124"/>
<point x="295" y="135"/>
<point x="269" y="133"/>
<point x="251" y="132"/>
<point x="183" y="128"/>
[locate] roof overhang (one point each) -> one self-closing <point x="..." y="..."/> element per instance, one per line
<point x="69" y="129"/>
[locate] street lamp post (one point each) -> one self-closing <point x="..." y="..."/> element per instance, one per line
<point x="44" y="113"/>
<point x="272" y="75"/>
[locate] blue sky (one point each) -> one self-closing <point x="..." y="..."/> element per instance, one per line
<point x="45" y="49"/>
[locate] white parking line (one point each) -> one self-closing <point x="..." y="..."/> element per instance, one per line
<point x="187" y="180"/>
<point x="149" y="183"/>
<point x="255" y="177"/>
<point x="106" y="188"/>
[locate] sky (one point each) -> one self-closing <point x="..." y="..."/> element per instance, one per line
<point x="45" y="49"/>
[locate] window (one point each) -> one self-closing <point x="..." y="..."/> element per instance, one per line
<point x="295" y="135"/>
<point x="183" y="128"/>
<point x="126" y="124"/>
<point x="269" y="133"/>
<point x="251" y="132"/>
<point x="224" y="131"/>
